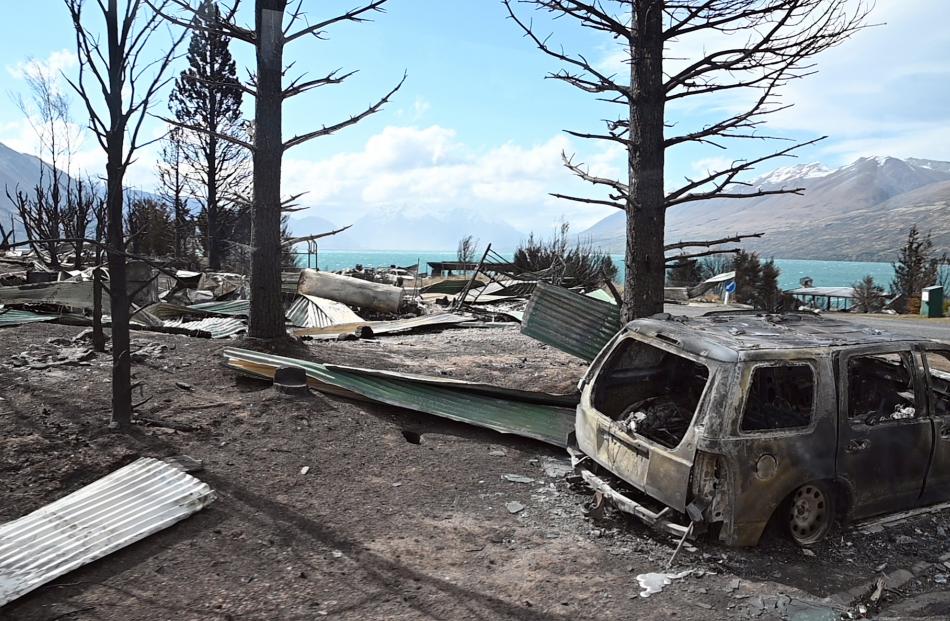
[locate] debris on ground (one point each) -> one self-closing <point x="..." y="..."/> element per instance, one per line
<point x="653" y="582"/>
<point x="514" y="506"/>
<point x="128" y="505"/>
<point x="517" y="478"/>
<point x="541" y="416"/>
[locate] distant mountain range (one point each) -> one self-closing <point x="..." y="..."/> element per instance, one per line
<point x="16" y="170"/>
<point x="857" y="212"/>
<point x="392" y="230"/>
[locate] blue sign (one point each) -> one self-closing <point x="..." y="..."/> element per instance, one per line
<point x="731" y="287"/>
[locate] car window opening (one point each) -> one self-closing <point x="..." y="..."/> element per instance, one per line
<point x="780" y="397"/>
<point x="880" y="388"/>
<point x="650" y="392"/>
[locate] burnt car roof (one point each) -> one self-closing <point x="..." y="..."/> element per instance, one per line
<point x="725" y="335"/>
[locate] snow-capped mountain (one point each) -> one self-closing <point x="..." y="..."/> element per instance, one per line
<point x="859" y="211"/>
<point x="787" y="174"/>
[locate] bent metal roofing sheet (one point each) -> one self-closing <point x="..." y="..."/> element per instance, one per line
<point x="535" y="415"/>
<point x="133" y="502"/>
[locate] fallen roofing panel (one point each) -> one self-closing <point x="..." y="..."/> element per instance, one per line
<point x="167" y="310"/>
<point x="530" y="396"/>
<point x="574" y="323"/>
<point x="512" y="288"/>
<point x="72" y="294"/>
<point x="310" y="311"/>
<point x="504" y="410"/>
<point x="217" y="327"/>
<point x="603" y="296"/>
<point x="450" y="286"/>
<point x="128" y="505"/>
<point x="233" y="308"/>
<point x="12" y="317"/>
<point x="387" y="327"/>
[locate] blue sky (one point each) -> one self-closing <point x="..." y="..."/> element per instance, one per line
<point x="477" y="126"/>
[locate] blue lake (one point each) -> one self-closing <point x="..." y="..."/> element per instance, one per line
<point x="824" y="273"/>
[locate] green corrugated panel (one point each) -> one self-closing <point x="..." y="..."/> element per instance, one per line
<point x="577" y="324"/>
<point x="455" y="401"/>
<point x="11" y="317"/>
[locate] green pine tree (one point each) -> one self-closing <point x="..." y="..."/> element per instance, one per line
<point x="208" y="95"/>
<point x="916" y="267"/>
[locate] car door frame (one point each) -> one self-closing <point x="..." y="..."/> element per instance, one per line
<point x="863" y="450"/>
<point x="936" y="488"/>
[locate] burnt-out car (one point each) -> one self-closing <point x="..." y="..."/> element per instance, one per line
<point x="737" y="419"/>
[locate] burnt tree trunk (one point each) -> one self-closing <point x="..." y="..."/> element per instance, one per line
<point x="98" y="337"/>
<point x="646" y="219"/>
<point x="266" y="314"/>
<point x="211" y="208"/>
<point x="115" y="170"/>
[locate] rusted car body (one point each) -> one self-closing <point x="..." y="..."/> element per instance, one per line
<point x="733" y="419"/>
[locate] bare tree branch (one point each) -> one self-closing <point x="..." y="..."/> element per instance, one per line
<point x="297" y="240"/>
<point x="353" y="15"/>
<point x="353" y="120"/>
<point x="710" y="242"/>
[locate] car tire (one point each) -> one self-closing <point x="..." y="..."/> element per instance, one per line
<point x="810" y="513"/>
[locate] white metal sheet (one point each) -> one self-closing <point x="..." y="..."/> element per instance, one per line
<point x="119" y="509"/>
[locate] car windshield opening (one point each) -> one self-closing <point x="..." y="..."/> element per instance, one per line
<point x="649" y="391"/>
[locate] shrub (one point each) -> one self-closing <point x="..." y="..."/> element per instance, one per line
<point x="557" y="262"/>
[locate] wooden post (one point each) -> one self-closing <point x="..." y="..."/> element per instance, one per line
<point x="98" y="338"/>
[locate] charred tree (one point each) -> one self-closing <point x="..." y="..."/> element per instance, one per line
<point x="777" y="41"/>
<point x="174" y="188"/>
<point x="276" y="25"/>
<point x="117" y="83"/>
<point x="56" y="206"/>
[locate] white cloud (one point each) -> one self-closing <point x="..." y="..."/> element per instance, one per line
<point x="882" y="92"/>
<point x="52" y="66"/>
<point x="428" y="170"/>
<point x="420" y="106"/>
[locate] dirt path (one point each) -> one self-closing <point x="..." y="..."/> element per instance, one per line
<point x="379" y="527"/>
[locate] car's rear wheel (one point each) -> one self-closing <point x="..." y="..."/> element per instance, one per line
<point x="811" y="513"/>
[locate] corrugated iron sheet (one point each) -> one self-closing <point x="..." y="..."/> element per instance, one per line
<point x="451" y="286"/>
<point x="574" y="323"/>
<point x="128" y="505"/>
<point x="600" y="294"/>
<point x="12" y="317"/>
<point x="504" y="410"/>
<point x="217" y="327"/>
<point x="388" y="327"/>
<point x="72" y="294"/>
<point x="167" y="310"/>
<point x="232" y="308"/>
<point x="310" y="311"/>
<point x="288" y="282"/>
<point x="512" y="288"/>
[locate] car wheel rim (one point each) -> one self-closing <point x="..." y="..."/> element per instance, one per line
<point x="809" y="514"/>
